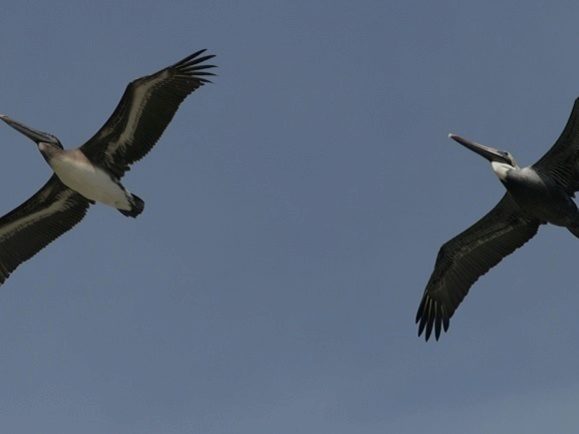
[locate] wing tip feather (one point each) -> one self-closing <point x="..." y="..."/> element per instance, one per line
<point x="431" y="317"/>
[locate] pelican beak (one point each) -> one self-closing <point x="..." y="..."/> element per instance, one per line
<point x="487" y="152"/>
<point x="34" y="135"/>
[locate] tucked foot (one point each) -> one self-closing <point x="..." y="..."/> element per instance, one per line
<point x="137" y="206"/>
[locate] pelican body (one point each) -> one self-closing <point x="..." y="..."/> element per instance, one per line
<point x="92" y="172"/>
<point x="78" y="173"/>
<point x="536" y="195"/>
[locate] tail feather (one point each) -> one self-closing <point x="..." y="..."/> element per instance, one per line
<point x="137" y="206"/>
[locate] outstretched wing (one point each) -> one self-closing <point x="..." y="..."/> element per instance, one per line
<point x="146" y="108"/>
<point x="466" y="257"/>
<point x="561" y="162"/>
<point x="26" y="230"/>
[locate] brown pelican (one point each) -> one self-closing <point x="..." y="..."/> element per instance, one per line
<point x="92" y="172"/>
<point x="539" y="194"/>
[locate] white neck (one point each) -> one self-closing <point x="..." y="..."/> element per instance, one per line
<point x="501" y="169"/>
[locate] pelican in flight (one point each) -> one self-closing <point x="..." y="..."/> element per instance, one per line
<point x="538" y="194"/>
<point x="92" y="172"/>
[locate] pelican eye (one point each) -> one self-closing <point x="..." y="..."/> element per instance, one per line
<point x="507" y="156"/>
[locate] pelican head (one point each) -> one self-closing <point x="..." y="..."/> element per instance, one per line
<point x="501" y="161"/>
<point x="42" y="140"/>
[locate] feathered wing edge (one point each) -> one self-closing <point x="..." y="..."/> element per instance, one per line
<point x="466" y="257"/>
<point x="561" y="162"/>
<point x="24" y="231"/>
<point x="143" y="113"/>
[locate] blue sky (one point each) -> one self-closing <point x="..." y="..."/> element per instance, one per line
<point x="294" y="209"/>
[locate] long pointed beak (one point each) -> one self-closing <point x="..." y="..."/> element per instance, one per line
<point x="32" y="134"/>
<point x="487" y="152"/>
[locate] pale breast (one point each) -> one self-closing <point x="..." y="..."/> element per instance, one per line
<point x="78" y="174"/>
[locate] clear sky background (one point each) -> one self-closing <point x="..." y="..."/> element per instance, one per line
<point x="294" y="209"/>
